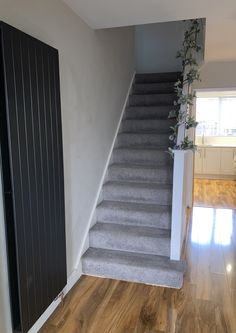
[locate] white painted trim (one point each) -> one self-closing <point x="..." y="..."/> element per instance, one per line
<point x="85" y="241"/>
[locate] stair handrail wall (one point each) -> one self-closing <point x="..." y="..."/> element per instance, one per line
<point x="182" y="196"/>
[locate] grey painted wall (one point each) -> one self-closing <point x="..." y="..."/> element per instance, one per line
<point x="156" y="46"/>
<point x="95" y="70"/>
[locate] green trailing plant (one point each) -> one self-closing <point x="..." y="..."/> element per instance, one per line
<point x="185" y="98"/>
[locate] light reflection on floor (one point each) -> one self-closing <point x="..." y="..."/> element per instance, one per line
<point x="212" y="226"/>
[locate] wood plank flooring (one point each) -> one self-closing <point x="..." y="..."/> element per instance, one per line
<point x="205" y="304"/>
<point x="219" y="193"/>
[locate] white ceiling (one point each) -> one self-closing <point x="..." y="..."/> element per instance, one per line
<point x="220" y="15"/>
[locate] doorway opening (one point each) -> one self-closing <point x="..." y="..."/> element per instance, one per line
<point x="215" y="158"/>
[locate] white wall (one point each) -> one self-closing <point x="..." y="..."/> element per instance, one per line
<point x="156" y="46"/>
<point x="95" y="69"/>
<point x="218" y="74"/>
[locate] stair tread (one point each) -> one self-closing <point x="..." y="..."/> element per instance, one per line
<point x="156" y="94"/>
<point x="116" y="205"/>
<point x="135" y="267"/>
<point x="157" y="77"/>
<point x="133" y="259"/>
<point x="141" y="132"/>
<point x="142" y="147"/>
<point x="149" y="107"/>
<point x="168" y="120"/>
<point x="154" y="84"/>
<point x="148" y="112"/>
<point x="148" y="185"/>
<point x="141" y="166"/>
<point x="131" y="230"/>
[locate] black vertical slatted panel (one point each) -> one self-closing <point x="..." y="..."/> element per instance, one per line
<point x="34" y="141"/>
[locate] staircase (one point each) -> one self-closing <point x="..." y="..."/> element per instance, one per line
<point x="131" y="239"/>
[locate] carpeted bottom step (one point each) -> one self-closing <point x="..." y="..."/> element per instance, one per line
<point x="133" y="267"/>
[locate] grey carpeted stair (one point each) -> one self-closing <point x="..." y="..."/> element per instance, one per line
<point x="128" y="139"/>
<point x="157" y="77"/>
<point x="137" y="172"/>
<point x="152" y="99"/>
<point x="148" y="112"/>
<point x="136" y="267"/>
<point x="131" y="238"/>
<point x="137" y="125"/>
<point x="129" y="213"/>
<point x="144" y="155"/>
<point x="160" y="194"/>
<point x="153" y="88"/>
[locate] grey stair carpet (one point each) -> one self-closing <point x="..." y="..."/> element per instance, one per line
<point x="157" y="77"/>
<point x="129" y="213"/>
<point x="136" y="267"/>
<point x="137" y="125"/>
<point x="143" y="155"/>
<point x="131" y="239"/>
<point x="148" y="112"/>
<point x="128" y="139"/>
<point x="140" y="172"/>
<point x="152" y="99"/>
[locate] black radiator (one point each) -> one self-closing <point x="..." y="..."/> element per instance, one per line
<point x="32" y="173"/>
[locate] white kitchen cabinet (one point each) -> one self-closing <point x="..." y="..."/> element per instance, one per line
<point x="227" y="161"/>
<point x="198" y="160"/>
<point x="215" y="161"/>
<point x="211" y="161"/>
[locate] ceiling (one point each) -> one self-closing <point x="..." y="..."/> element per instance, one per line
<point x="220" y="15"/>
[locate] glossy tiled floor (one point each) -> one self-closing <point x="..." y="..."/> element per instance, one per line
<point x="207" y="301"/>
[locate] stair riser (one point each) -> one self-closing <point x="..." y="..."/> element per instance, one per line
<point x="147" y="112"/>
<point x="142" y="156"/>
<point x="155" y="78"/>
<point x="133" y="139"/>
<point x="122" y="193"/>
<point x="153" y="88"/>
<point x="146" y="100"/>
<point x="147" y="125"/>
<point x="133" y="274"/>
<point x="127" y="217"/>
<point x="156" y="175"/>
<point x="126" y="242"/>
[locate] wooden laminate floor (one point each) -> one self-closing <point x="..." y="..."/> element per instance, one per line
<point x="205" y="304"/>
<point x="217" y="193"/>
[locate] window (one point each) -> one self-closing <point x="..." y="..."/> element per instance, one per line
<point x="216" y="116"/>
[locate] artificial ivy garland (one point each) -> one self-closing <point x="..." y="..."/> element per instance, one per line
<point x="190" y="74"/>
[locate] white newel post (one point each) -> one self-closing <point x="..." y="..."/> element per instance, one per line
<point x="178" y="203"/>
